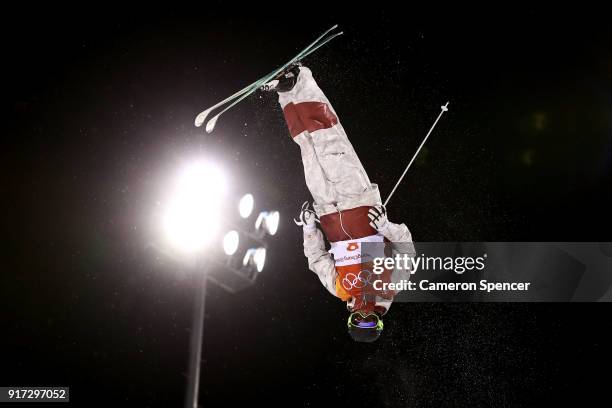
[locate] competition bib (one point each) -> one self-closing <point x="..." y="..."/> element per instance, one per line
<point x="351" y="252"/>
<point x="353" y="262"/>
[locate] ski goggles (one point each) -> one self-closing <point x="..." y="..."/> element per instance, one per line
<point x="363" y="320"/>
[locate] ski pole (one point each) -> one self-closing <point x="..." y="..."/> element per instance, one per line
<point x="444" y="109"/>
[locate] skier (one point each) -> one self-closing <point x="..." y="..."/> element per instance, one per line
<point x="346" y="204"/>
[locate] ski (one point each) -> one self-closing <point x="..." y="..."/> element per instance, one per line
<point x="248" y="90"/>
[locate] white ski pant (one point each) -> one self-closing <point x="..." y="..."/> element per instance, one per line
<point x="334" y="175"/>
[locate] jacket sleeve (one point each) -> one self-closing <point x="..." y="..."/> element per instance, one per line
<point x="401" y="242"/>
<point x="319" y="260"/>
<point x="401" y="238"/>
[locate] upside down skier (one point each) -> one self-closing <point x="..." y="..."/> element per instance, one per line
<point x="347" y="205"/>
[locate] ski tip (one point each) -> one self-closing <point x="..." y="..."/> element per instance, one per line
<point x="201" y="118"/>
<point x="334" y="27"/>
<point x="210" y="126"/>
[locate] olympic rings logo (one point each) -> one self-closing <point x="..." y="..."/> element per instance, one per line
<point x="359" y="281"/>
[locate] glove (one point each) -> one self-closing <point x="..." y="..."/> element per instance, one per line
<point x="307" y="218"/>
<point x="378" y="218"/>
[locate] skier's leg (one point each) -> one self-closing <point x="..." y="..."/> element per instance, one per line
<point x="320" y="187"/>
<point x="333" y="170"/>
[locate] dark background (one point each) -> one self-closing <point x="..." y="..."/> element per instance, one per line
<point x="100" y="107"/>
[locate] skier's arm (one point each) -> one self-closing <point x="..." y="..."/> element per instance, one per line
<point x="398" y="234"/>
<point x="319" y="260"/>
<point x="401" y="242"/>
<point x="400" y="237"/>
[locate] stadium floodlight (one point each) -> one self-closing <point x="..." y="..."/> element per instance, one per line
<point x="245" y="207"/>
<point x="189" y="221"/>
<point x="255" y="257"/>
<point x="191" y="216"/>
<point x="268" y="221"/>
<point x="272" y="221"/>
<point x="260" y="258"/>
<point x="230" y="242"/>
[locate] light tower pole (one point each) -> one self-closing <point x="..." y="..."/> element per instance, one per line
<point x="197" y="336"/>
<point x="192" y="217"/>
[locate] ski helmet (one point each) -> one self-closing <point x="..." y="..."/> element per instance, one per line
<point x="365" y="326"/>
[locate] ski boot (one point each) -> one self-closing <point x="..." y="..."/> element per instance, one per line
<point x="284" y="81"/>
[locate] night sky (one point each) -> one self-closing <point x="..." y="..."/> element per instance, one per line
<point x="100" y="108"/>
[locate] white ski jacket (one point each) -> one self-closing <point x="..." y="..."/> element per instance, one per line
<point x="341" y="190"/>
